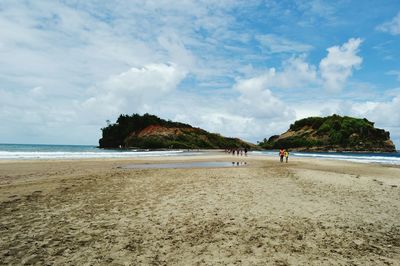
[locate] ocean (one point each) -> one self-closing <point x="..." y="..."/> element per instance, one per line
<point x="44" y="151"/>
<point x="382" y="158"/>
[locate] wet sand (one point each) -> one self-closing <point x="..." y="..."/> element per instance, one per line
<point x="306" y="212"/>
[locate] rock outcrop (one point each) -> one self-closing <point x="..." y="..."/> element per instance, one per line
<point x="332" y="133"/>
<point x="151" y="132"/>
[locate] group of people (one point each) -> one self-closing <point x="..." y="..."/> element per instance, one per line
<point x="284" y="153"/>
<point x="237" y="151"/>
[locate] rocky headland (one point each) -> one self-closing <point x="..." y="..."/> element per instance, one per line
<point x="332" y="133"/>
<point x="151" y="132"/>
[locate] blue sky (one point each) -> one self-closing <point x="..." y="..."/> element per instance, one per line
<point x="241" y="68"/>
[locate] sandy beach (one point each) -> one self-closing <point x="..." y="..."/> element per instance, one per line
<point x="93" y="212"/>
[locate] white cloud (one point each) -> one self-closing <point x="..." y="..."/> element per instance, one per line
<point x="135" y="89"/>
<point x="277" y="44"/>
<point x="338" y="65"/>
<point x="176" y="50"/>
<point x="295" y="74"/>
<point x="333" y="72"/>
<point x="395" y="73"/>
<point x="317" y="8"/>
<point x="28" y="116"/>
<point x="265" y="113"/>
<point x="385" y="113"/>
<point x="392" y="27"/>
<point x="149" y="80"/>
<point x="37" y="92"/>
<point x="258" y="101"/>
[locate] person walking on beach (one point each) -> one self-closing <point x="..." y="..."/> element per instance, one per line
<point x="287" y="155"/>
<point x="281" y="154"/>
<point x="245" y="151"/>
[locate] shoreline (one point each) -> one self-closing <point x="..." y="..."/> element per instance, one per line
<point x="196" y="158"/>
<point x="267" y="154"/>
<point x="101" y="154"/>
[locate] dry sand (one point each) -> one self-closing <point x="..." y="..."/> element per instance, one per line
<point x="306" y="212"/>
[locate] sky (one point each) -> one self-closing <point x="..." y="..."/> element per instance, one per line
<point x="244" y="69"/>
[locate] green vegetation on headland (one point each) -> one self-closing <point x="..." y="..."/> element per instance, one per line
<point x="332" y="133"/>
<point x="151" y="132"/>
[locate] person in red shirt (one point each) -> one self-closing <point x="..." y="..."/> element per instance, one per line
<point x="281" y="154"/>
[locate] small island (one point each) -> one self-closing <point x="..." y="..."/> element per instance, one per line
<point x="314" y="134"/>
<point x="332" y="133"/>
<point x="151" y="132"/>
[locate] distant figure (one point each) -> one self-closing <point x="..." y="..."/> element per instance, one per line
<point x="245" y="151"/>
<point x="233" y="152"/>
<point x="241" y="152"/>
<point x="237" y="151"/>
<point x="287" y="155"/>
<point x="281" y="154"/>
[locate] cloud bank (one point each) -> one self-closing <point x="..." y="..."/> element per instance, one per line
<point x="67" y="67"/>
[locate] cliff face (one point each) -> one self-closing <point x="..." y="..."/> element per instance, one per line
<point x="151" y="132"/>
<point x="332" y="133"/>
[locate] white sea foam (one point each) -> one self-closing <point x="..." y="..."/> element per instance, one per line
<point x="389" y="158"/>
<point x="367" y="158"/>
<point x="23" y="155"/>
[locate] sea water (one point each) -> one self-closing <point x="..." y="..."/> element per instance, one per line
<point x="42" y="151"/>
<point x="383" y="158"/>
